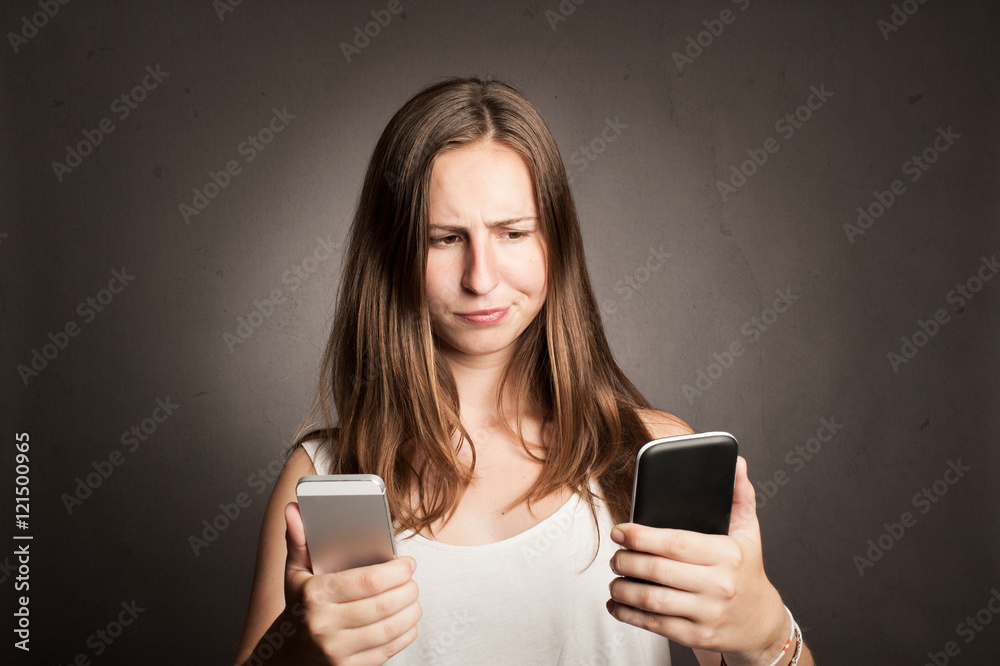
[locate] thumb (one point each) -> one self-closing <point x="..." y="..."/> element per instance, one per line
<point x="743" y="519"/>
<point x="298" y="563"/>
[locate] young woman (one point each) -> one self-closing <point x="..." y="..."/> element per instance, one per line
<point x="469" y="369"/>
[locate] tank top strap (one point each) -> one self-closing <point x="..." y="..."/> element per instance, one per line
<point x="318" y="454"/>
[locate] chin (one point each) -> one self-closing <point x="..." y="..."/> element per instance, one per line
<point x="473" y="349"/>
<point x="477" y="345"/>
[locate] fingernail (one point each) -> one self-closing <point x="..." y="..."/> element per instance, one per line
<point x="617" y="536"/>
<point x="610" y="606"/>
<point x="413" y="565"/>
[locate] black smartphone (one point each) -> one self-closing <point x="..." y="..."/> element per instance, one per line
<point x="686" y="482"/>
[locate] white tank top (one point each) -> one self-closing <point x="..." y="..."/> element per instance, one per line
<point x="534" y="598"/>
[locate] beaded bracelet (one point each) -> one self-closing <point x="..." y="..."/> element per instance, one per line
<point x="798" y="645"/>
<point x="794" y="635"/>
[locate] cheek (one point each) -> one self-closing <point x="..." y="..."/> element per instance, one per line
<point x="536" y="276"/>
<point x="527" y="277"/>
<point x="436" y="275"/>
<point x="438" y="284"/>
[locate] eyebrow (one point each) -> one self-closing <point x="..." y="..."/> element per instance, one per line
<point x="489" y="225"/>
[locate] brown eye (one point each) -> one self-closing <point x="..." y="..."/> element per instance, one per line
<point x="442" y="241"/>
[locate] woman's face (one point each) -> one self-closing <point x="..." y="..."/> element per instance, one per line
<point x="486" y="261"/>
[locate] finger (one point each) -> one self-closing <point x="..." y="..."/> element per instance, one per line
<point x="381" y="633"/>
<point x="657" y="599"/>
<point x="364" y="582"/>
<point x="744" y="513"/>
<point x="297" y="561"/>
<point x="364" y="612"/>
<point x="680" y="545"/>
<point x="660" y="570"/>
<point x="382" y="653"/>
<point x="678" y="629"/>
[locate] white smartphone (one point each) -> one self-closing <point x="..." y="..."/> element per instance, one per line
<point x="347" y="521"/>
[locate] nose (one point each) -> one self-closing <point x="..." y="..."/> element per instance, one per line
<point x="480" y="275"/>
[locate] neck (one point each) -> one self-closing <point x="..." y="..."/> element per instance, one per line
<point x="477" y="378"/>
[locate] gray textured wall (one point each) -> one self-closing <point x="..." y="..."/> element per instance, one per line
<point x="654" y="187"/>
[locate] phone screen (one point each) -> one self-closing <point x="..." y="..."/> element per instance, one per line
<point x="686" y="482"/>
<point x="347" y="521"/>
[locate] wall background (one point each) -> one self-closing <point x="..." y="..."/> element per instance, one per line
<point x="653" y="188"/>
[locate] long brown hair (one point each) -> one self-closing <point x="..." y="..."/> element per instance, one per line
<point x="393" y="392"/>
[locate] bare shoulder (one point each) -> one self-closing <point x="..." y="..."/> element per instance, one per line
<point x="298" y="464"/>
<point x="663" y="424"/>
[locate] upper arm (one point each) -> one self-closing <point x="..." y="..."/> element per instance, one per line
<point x="267" y="597"/>
<point x="662" y="424"/>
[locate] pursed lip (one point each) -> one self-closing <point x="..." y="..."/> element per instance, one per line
<point x="487" y="316"/>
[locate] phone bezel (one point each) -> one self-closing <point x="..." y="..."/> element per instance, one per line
<point x="677" y="438"/>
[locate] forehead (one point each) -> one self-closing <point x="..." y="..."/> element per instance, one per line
<point x="480" y="181"/>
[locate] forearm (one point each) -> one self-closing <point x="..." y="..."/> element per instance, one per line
<point x="764" y="655"/>
<point x="706" y="658"/>
<point x="277" y="647"/>
<point x="804" y="658"/>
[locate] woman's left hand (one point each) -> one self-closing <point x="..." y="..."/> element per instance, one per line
<point x="713" y="592"/>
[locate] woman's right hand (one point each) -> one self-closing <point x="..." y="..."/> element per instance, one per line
<point x="356" y="617"/>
